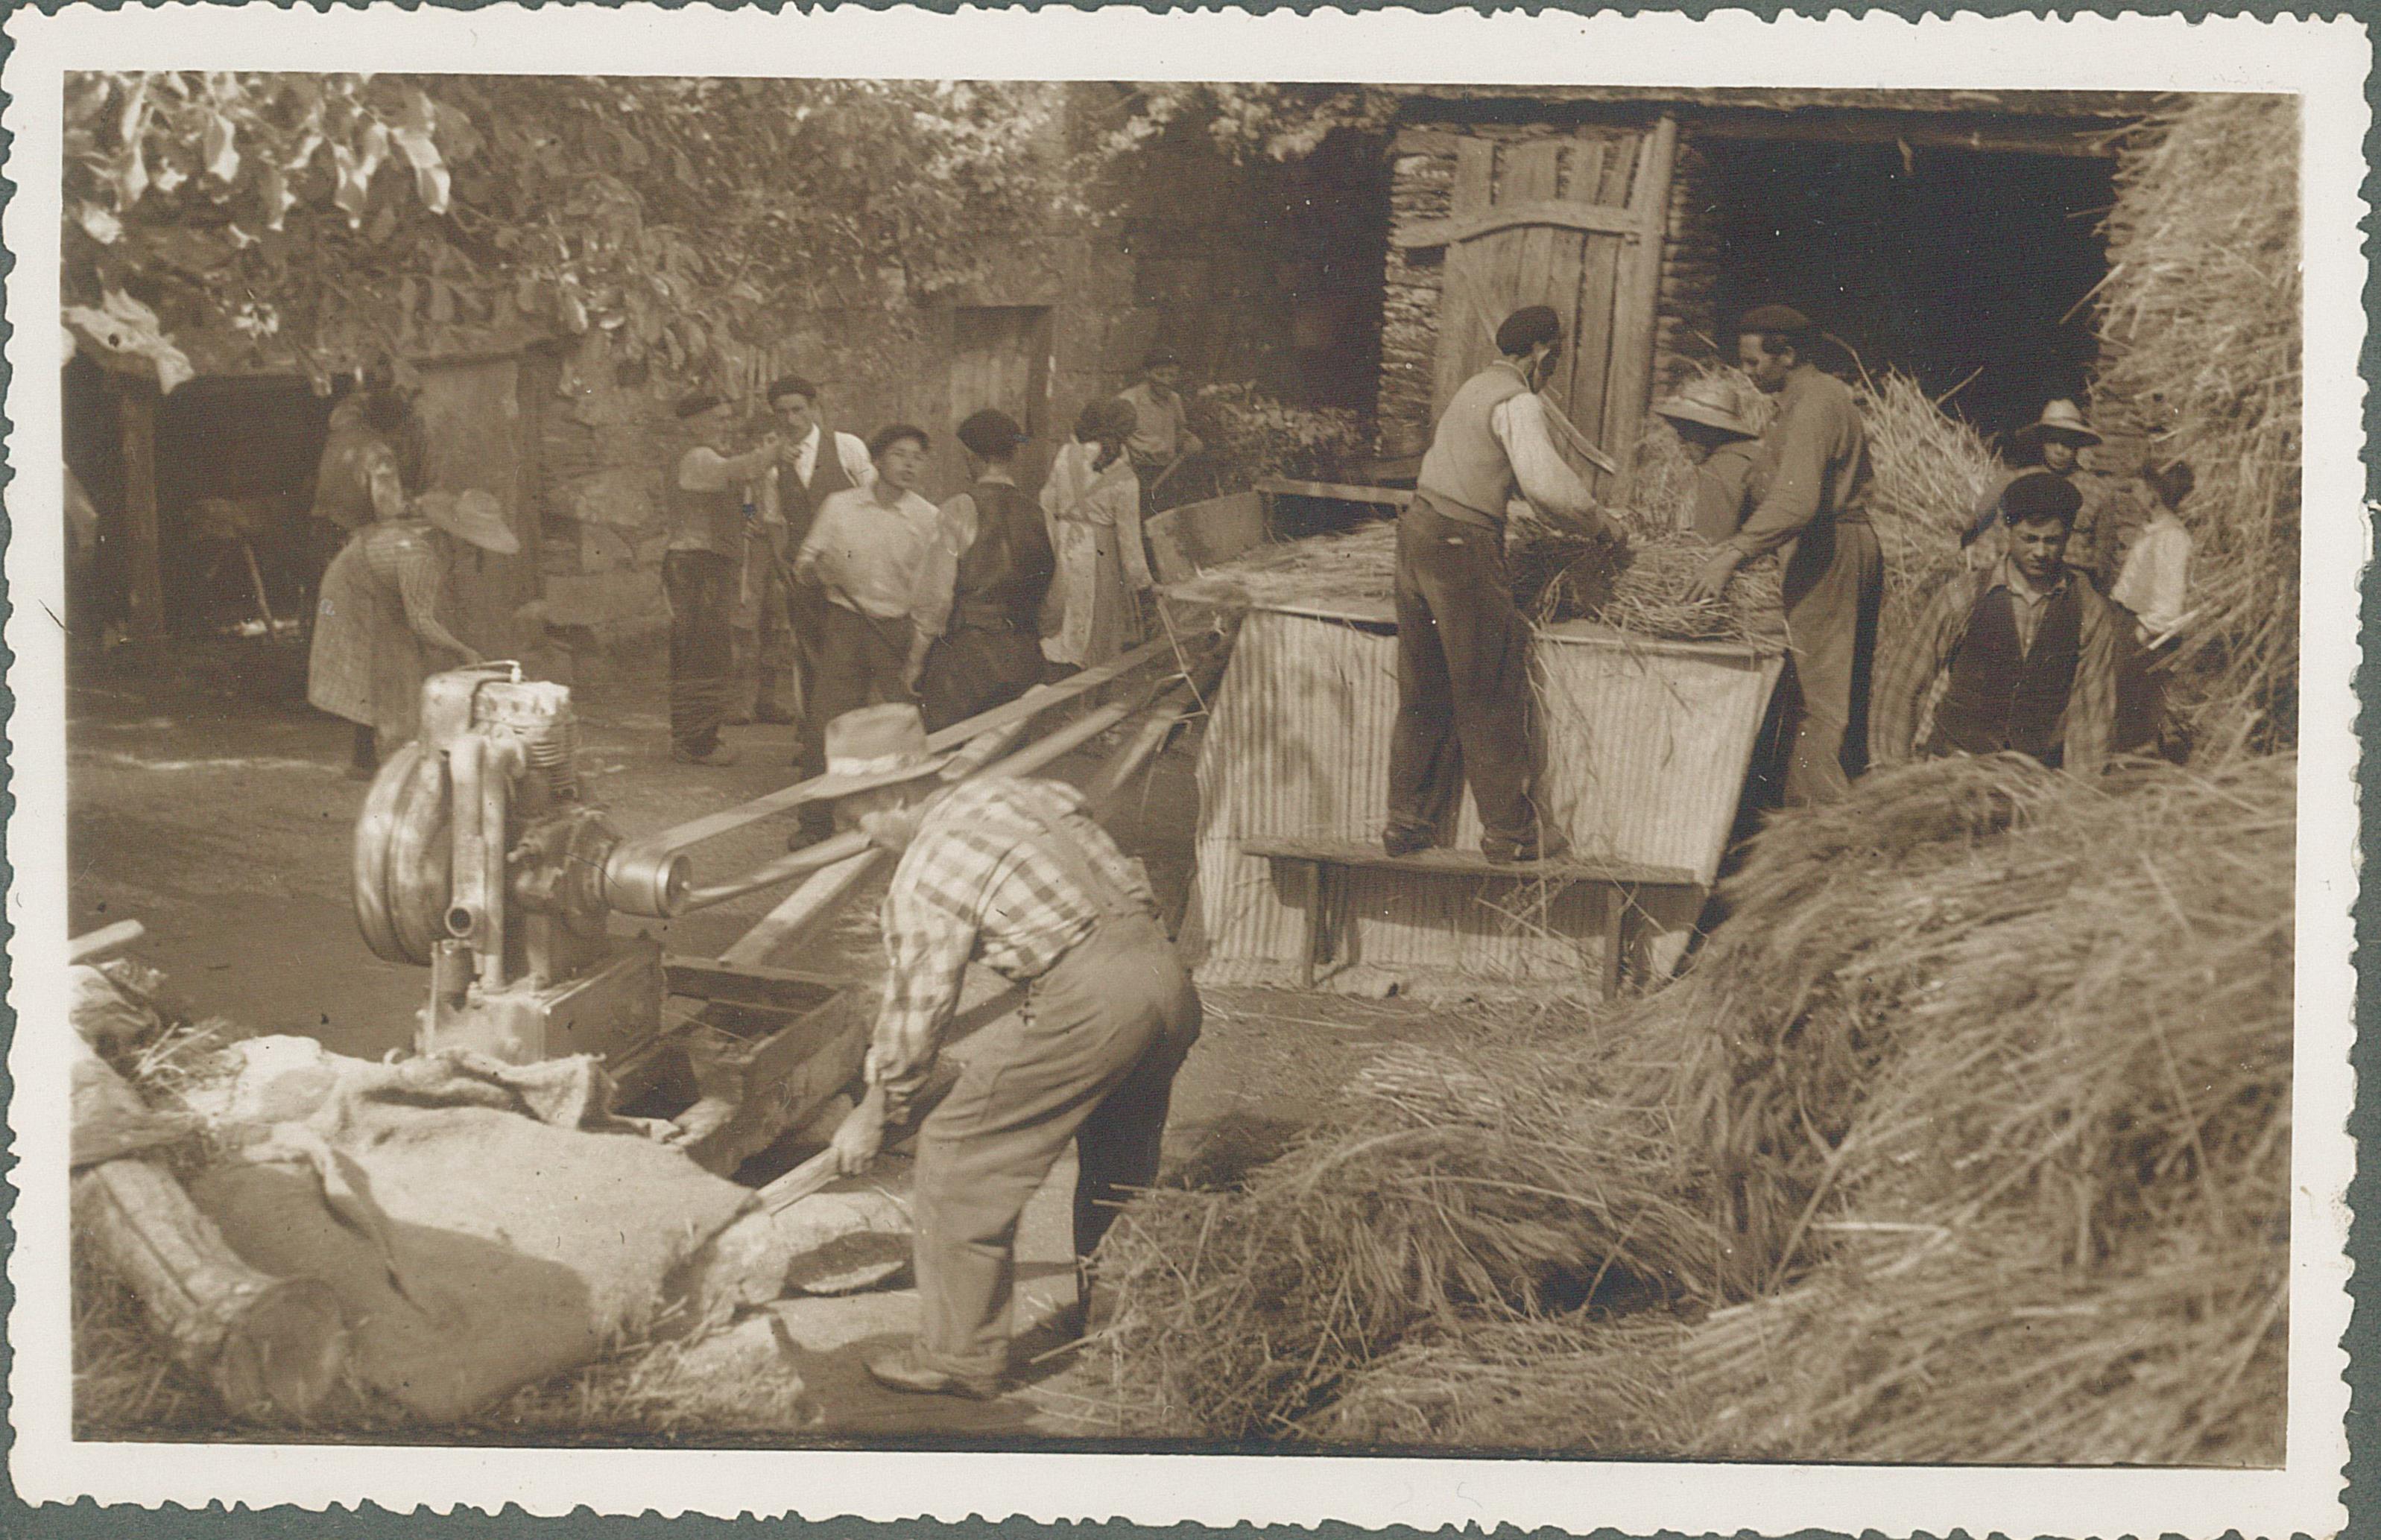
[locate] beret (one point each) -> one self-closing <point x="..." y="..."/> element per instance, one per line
<point x="1527" y="327"/>
<point x="1773" y="318"/>
<point x="791" y="384"/>
<point x="991" y="433"/>
<point x="699" y="402"/>
<point x="2040" y="495"/>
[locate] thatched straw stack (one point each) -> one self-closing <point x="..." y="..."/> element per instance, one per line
<point x="2200" y="336"/>
<point x="1928" y="469"/>
<point x="1983" y="1059"/>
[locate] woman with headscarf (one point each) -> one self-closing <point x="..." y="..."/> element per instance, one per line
<point x="380" y="628"/>
<point x="1093" y="503"/>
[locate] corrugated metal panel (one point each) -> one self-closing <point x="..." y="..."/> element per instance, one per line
<point x="1647" y="747"/>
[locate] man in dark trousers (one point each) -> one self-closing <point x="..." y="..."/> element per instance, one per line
<point x="1465" y="710"/>
<point x="990" y="651"/>
<point x="705" y="493"/>
<point x="1013" y="872"/>
<point x="2031" y="648"/>
<point x="1815" y="514"/>
<point x="815" y="463"/>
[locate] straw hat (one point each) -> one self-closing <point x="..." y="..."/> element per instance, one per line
<point x="877" y="745"/>
<point x="1712" y="402"/>
<point x="2059" y="416"/>
<point x="476" y="518"/>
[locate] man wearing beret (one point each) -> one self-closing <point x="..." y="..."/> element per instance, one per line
<point x="1464" y="707"/>
<point x="705" y="495"/>
<point x="1815" y="515"/>
<point x="998" y="573"/>
<point x="2031" y="648"/>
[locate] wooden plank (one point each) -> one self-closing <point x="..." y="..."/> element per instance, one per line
<point x="136" y="410"/>
<point x="1539" y="275"/>
<point x="1461" y="345"/>
<point x="1592" y="361"/>
<point x="1343" y="491"/>
<point x="750" y="984"/>
<point x="1637" y="302"/>
<point x="1469" y="863"/>
<point x="1587" y="218"/>
<point x="818" y="900"/>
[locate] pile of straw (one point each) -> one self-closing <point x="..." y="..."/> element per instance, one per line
<point x="2200" y="338"/>
<point x="1928" y="469"/>
<point x="1983" y="1059"/>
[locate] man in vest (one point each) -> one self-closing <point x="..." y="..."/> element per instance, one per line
<point x="785" y="635"/>
<point x="705" y="493"/>
<point x="1013" y="872"/>
<point x="1814" y="514"/>
<point x="1464" y="706"/>
<point x="2031" y="649"/>
<point x="990" y="651"/>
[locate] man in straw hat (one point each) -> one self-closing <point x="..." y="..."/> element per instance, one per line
<point x="2030" y="648"/>
<point x="1464" y="706"/>
<point x="1815" y="514"/>
<point x="1725" y="447"/>
<point x="2054" y="442"/>
<point x="381" y="622"/>
<point x="1015" y="873"/>
<point x="999" y="567"/>
<point x="702" y="571"/>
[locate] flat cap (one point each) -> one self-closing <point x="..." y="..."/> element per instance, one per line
<point x="699" y="402"/>
<point x="2039" y="496"/>
<point x="1527" y="327"/>
<point x="1773" y="318"/>
<point x="991" y="433"/>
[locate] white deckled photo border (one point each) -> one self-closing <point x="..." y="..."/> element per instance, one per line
<point x="2324" y="63"/>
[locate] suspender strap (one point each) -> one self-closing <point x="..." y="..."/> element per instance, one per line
<point x="1060" y="845"/>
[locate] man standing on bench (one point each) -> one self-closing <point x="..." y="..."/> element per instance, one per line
<point x="1464" y="706"/>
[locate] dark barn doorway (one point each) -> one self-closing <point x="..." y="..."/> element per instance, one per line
<point x="1967" y="269"/>
<point x="235" y="461"/>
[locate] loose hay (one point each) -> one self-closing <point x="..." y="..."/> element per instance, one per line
<point x="2200" y="340"/>
<point x="1982" y="1093"/>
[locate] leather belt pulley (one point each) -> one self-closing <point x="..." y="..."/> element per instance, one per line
<point x="404" y="856"/>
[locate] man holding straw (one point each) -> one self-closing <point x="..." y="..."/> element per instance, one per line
<point x="1815" y="511"/>
<point x="1464" y="705"/>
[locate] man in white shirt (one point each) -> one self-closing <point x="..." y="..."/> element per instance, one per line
<point x="778" y="637"/>
<point x="1464" y="705"/>
<point x="880" y="560"/>
<point x="1161" y="431"/>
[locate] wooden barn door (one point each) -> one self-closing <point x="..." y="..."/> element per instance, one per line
<point x="1574" y="222"/>
<point x="1000" y="357"/>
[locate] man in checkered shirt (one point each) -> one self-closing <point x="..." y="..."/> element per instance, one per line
<point x="1016" y="873"/>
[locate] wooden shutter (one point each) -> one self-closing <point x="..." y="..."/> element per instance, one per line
<point x="1574" y="222"/>
<point x="1000" y="357"/>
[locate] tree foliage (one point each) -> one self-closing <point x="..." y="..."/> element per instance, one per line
<point x="331" y="217"/>
<point x="1254" y="118"/>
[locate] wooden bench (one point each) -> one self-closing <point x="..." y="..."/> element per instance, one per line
<point x="1314" y="861"/>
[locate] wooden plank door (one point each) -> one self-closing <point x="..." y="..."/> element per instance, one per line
<point x="1577" y="224"/>
<point x="1000" y="357"/>
<point x="471" y="419"/>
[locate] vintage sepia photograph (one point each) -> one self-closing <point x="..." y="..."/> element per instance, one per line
<point x="1451" y="771"/>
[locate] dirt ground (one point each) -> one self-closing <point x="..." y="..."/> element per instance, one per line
<point x="211" y="804"/>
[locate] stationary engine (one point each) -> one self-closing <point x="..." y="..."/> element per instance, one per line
<point x="476" y="854"/>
